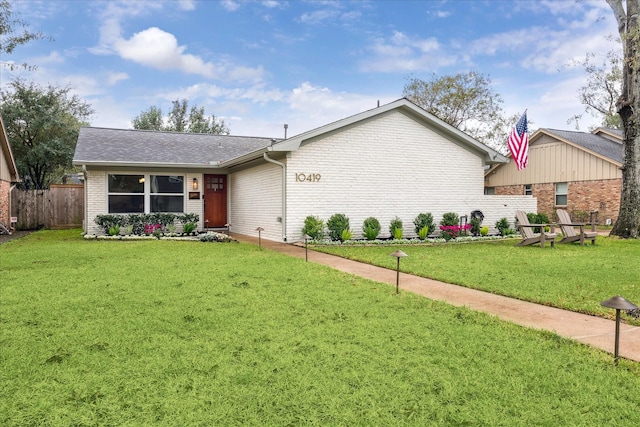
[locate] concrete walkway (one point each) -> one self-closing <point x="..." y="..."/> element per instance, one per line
<point x="583" y="328"/>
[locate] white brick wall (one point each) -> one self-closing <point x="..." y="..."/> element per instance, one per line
<point x="96" y="188"/>
<point x="391" y="166"/>
<point x="255" y="200"/>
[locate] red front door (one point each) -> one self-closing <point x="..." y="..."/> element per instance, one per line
<point x="215" y="201"/>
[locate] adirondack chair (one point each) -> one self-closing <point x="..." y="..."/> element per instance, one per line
<point x="529" y="237"/>
<point x="569" y="232"/>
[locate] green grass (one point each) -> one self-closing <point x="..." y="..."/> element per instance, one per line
<point x="569" y="276"/>
<point x="187" y="333"/>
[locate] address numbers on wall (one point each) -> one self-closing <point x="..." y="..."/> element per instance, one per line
<point x="307" y="177"/>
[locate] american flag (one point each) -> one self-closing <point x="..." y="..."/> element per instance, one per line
<point x="518" y="143"/>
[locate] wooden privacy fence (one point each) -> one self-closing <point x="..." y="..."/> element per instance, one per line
<point x="62" y="206"/>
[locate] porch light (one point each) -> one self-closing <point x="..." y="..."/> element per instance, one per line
<point x="618" y="303"/>
<point x="195" y="183"/>
<point x="398" y="254"/>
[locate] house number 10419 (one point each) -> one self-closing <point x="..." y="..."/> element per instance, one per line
<point x="311" y="177"/>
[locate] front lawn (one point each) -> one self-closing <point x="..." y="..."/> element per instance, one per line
<point x="172" y="333"/>
<point x="568" y="276"/>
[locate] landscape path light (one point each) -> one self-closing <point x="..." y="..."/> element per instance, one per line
<point x="259" y="230"/>
<point x="398" y="254"/>
<point x="306" y="252"/>
<point x="618" y="303"/>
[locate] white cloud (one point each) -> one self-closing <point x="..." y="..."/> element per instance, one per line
<point x="230" y="5"/>
<point x="187" y="5"/>
<point x="114" y="77"/>
<point x="159" y="49"/>
<point x="401" y="53"/>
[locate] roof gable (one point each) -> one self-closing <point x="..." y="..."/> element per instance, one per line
<point x="407" y="107"/>
<point x="606" y="148"/>
<point x="7" y="155"/>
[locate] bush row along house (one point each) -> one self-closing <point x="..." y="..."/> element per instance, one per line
<point x="576" y="171"/>
<point x="8" y="178"/>
<point x="396" y="160"/>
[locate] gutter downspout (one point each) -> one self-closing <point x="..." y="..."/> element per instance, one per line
<point x="86" y="206"/>
<point x="284" y="194"/>
<point x="10" y="203"/>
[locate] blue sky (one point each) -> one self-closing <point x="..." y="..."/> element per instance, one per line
<point x="260" y="64"/>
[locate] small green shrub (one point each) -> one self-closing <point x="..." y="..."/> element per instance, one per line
<point x="484" y="230"/>
<point x="502" y="225"/>
<point x="346" y="235"/>
<point x="128" y="230"/>
<point x="188" y="217"/>
<point x="371" y="228"/>
<point x="108" y="221"/>
<point x="537" y="218"/>
<point x="475" y="225"/>
<point x="189" y="227"/>
<point x="450" y="218"/>
<point x="114" y="230"/>
<point x="336" y="225"/>
<point x="397" y="233"/>
<point x="396" y="223"/>
<point x="423" y="233"/>
<point x="424" y="220"/>
<point x="313" y="227"/>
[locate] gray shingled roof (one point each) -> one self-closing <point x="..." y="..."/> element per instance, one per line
<point x="102" y="145"/>
<point x="598" y="144"/>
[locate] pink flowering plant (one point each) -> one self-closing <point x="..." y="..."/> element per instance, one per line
<point x="453" y="231"/>
<point x="150" y="229"/>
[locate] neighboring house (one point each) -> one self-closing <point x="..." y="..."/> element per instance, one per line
<point x="576" y="171"/>
<point x="8" y="176"/>
<point x="394" y="160"/>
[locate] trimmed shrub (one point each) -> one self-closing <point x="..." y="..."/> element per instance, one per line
<point x="537" y="218"/>
<point x="484" y="230"/>
<point x="503" y="226"/>
<point x="313" y="227"/>
<point x="396" y="224"/>
<point x="449" y="225"/>
<point x="424" y="220"/>
<point x="371" y="228"/>
<point x="336" y="225"/>
<point x="475" y="225"/>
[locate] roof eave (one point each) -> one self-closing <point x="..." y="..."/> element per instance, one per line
<point x="165" y="165"/>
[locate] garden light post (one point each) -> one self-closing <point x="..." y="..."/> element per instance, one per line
<point x="259" y="230"/>
<point x="618" y="303"/>
<point x="398" y="254"/>
<point x="306" y="252"/>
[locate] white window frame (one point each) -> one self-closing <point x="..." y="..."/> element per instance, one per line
<point x="562" y="193"/>
<point x="147" y="190"/>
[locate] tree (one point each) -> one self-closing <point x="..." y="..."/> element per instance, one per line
<point x="178" y="120"/>
<point x="42" y="126"/>
<point x="465" y="101"/>
<point x="150" y="119"/>
<point x="628" y="106"/>
<point x="602" y="90"/>
<point x="13" y="33"/>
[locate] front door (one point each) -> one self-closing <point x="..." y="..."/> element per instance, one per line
<point x="215" y="201"/>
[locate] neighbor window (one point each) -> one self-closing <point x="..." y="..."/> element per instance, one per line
<point x="126" y="193"/>
<point x="527" y="190"/>
<point x="561" y="194"/>
<point x="162" y="193"/>
<point x="489" y="191"/>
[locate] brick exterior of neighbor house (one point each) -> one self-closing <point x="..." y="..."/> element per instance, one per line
<point x="587" y="164"/>
<point x="5" y="188"/>
<point x="583" y="197"/>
